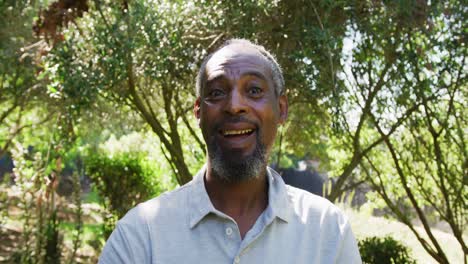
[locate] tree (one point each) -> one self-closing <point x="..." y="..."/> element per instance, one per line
<point x="306" y="37"/>
<point x="134" y="55"/>
<point x="147" y="58"/>
<point x="20" y="91"/>
<point x="404" y="81"/>
<point x="370" y="82"/>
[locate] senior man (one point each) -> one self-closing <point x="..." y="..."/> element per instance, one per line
<point x="236" y="209"/>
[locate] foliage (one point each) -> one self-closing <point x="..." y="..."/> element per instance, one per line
<point x="38" y="204"/>
<point x="78" y="221"/>
<point x="20" y="89"/>
<point x="4" y="203"/>
<point x="306" y="37"/>
<point x="122" y="180"/>
<point x="118" y="54"/>
<point x="41" y="212"/>
<point x="146" y="57"/>
<point x="146" y="144"/>
<point x="377" y="91"/>
<point x="402" y="120"/>
<point x="384" y="250"/>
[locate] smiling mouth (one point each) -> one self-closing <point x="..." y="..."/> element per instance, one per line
<point x="231" y="133"/>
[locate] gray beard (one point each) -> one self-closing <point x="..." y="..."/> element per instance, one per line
<point x="229" y="167"/>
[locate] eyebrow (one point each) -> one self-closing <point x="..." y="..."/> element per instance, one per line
<point x="249" y="73"/>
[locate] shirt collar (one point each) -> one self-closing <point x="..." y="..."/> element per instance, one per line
<point x="199" y="203"/>
<point x="278" y="198"/>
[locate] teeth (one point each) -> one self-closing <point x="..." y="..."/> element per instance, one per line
<point x="236" y="132"/>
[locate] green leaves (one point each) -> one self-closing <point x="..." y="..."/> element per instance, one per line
<point x="377" y="89"/>
<point x="384" y="251"/>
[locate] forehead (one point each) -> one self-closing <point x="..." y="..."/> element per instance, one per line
<point x="235" y="61"/>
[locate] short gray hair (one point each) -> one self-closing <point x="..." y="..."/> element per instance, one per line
<point x="278" y="80"/>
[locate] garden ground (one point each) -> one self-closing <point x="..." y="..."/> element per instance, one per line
<point x="365" y="225"/>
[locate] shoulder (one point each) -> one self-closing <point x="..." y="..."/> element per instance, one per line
<point x="309" y="207"/>
<point x="167" y="205"/>
<point x="305" y="200"/>
<point x="315" y="219"/>
<point x="326" y="224"/>
<point x="304" y="206"/>
<point x="134" y="236"/>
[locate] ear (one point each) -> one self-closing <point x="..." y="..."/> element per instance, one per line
<point x="196" y="109"/>
<point x="283" y="109"/>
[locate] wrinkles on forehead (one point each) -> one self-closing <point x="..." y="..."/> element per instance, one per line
<point x="237" y="73"/>
<point x="237" y="62"/>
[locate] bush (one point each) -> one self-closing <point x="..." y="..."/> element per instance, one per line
<point x="384" y="250"/>
<point x="122" y="180"/>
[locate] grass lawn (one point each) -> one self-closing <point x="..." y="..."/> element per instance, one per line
<point x="364" y="225"/>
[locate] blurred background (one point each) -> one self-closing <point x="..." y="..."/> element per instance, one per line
<point x="96" y="101"/>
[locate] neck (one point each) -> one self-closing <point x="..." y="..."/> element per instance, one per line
<point x="239" y="199"/>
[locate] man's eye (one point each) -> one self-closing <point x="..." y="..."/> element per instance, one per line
<point x="216" y="93"/>
<point x="255" y="90"/>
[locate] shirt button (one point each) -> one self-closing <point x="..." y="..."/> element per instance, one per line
<point x="237" y="260"/>
<point x="228" y="231"/>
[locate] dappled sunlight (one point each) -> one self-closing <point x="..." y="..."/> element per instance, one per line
<point x="97" y="114"/>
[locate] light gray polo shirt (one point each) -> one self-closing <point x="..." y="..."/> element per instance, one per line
<point x="182" y="226"/>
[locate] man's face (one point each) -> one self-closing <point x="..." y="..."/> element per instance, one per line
<point x="239" y="112"/>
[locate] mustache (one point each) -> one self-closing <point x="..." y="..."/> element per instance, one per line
<point x="234" y="119"/>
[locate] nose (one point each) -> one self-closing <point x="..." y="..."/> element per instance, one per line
<point x="236" y="103"/>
